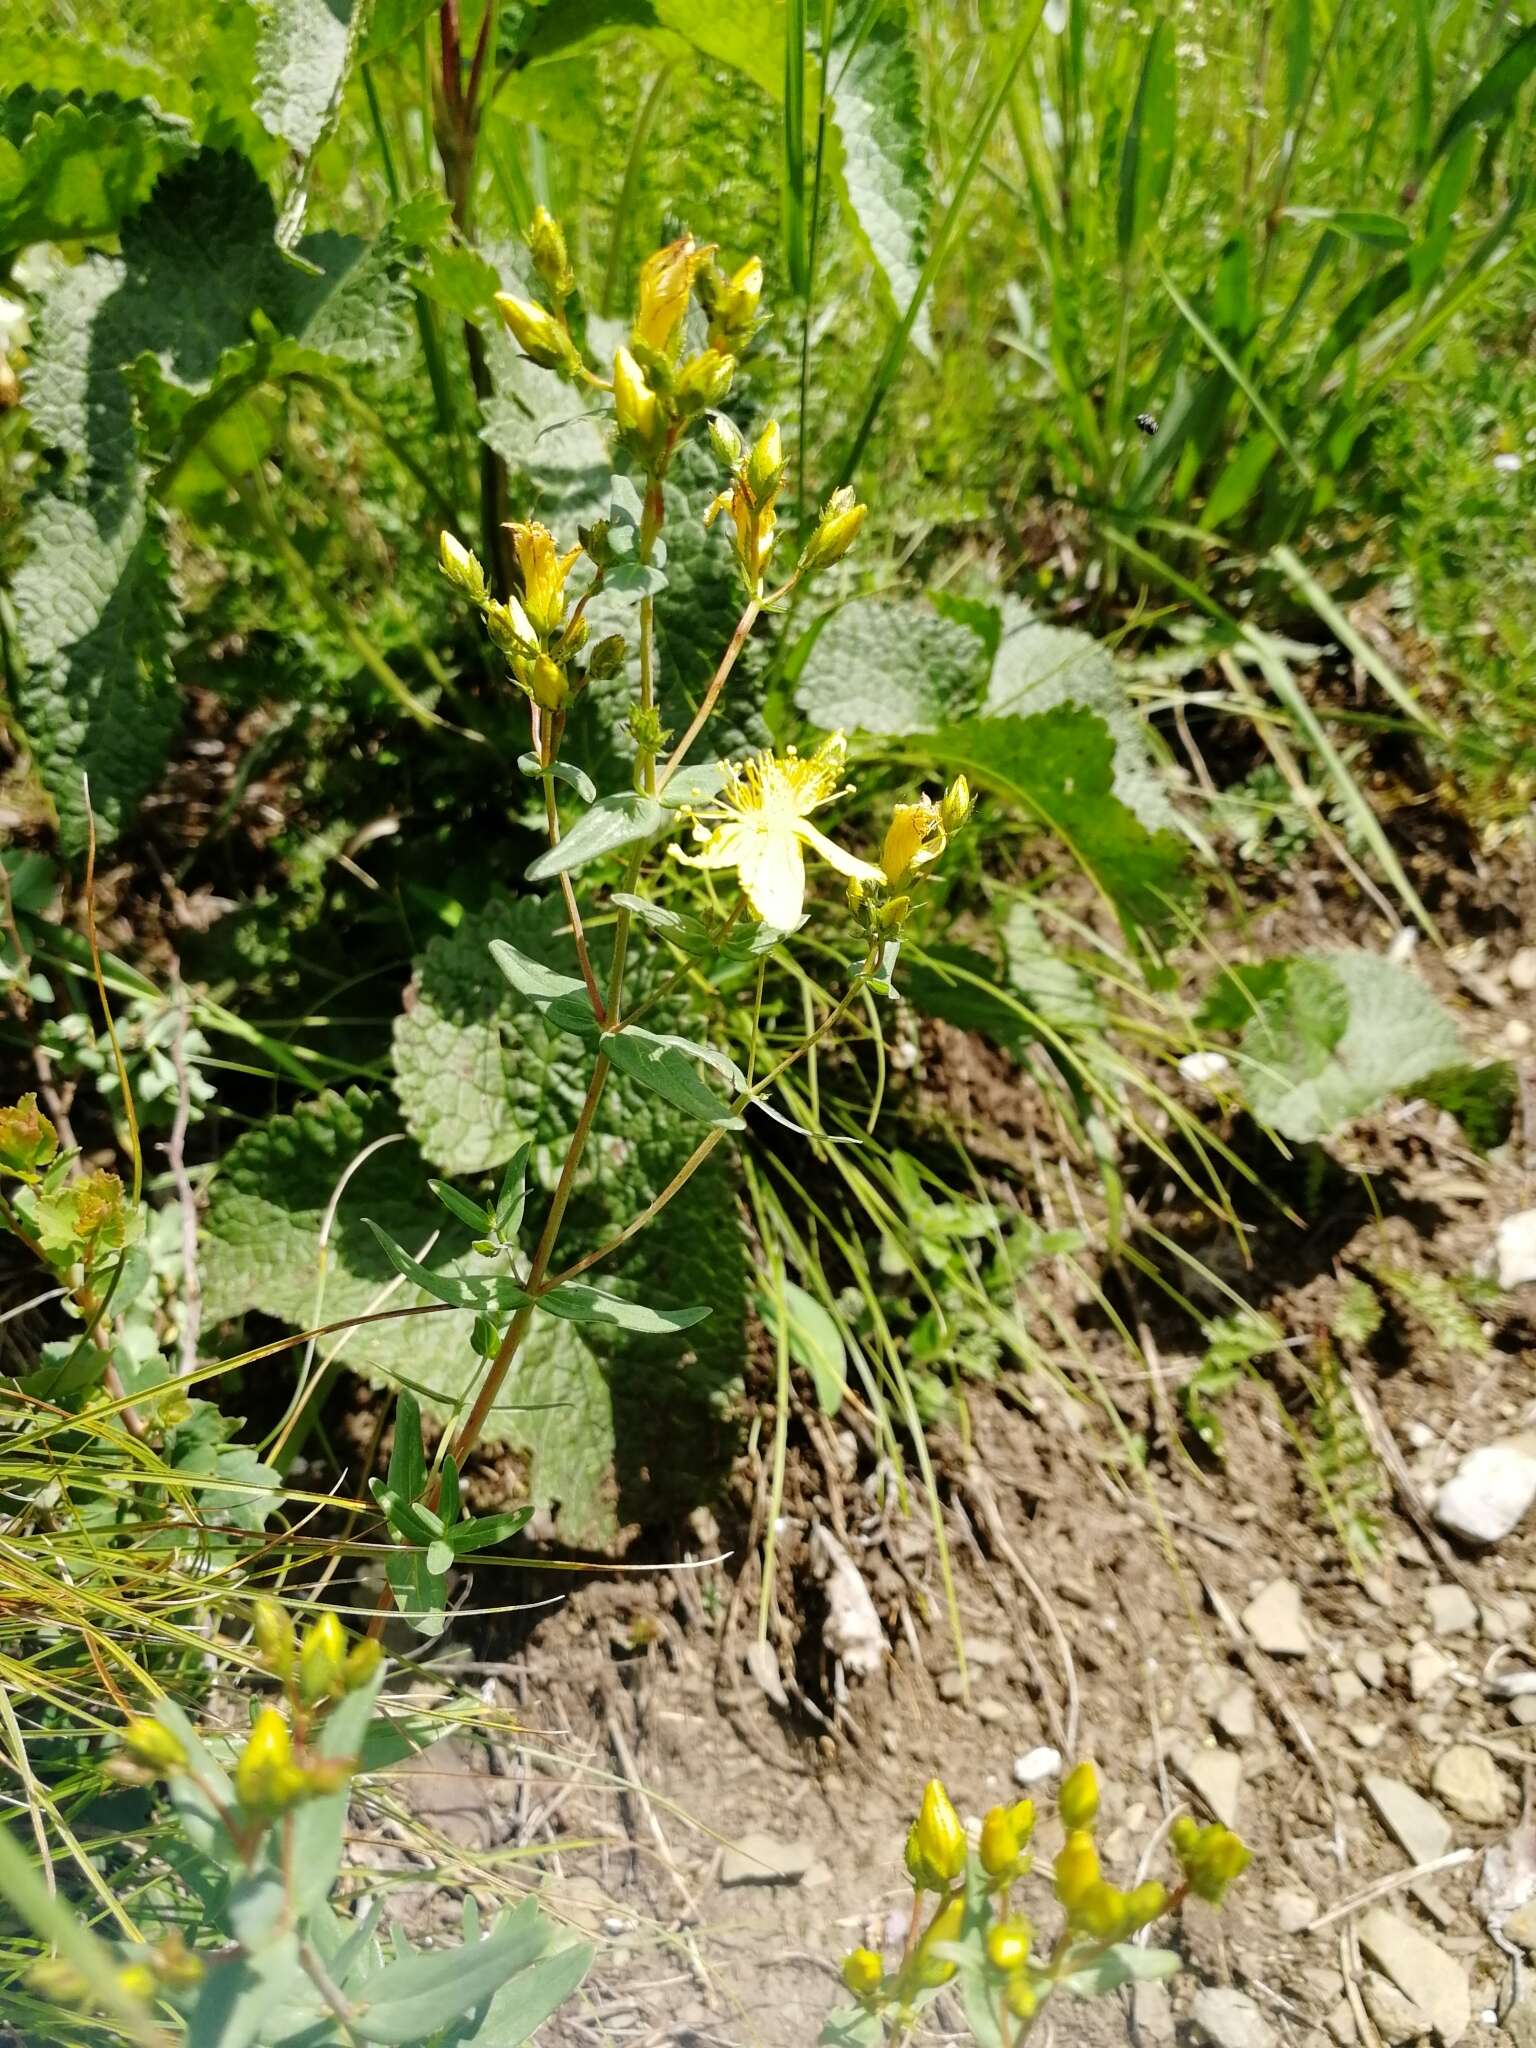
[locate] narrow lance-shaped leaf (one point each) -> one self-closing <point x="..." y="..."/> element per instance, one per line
<point x="1146" y="163"/>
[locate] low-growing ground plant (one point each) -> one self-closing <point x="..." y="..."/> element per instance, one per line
<point x="970" y="1929"/>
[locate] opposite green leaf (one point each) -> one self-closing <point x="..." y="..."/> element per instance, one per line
<point x="624" y="819"/>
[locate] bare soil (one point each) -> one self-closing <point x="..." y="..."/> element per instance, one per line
<point x="1102" y="1561"/>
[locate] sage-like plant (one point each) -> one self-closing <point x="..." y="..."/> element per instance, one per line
<point x="747" y="824"/>
<point x="979" y="1939"/>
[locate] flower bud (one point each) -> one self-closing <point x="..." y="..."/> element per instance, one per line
<point x="273" y="1632"/>
<point x="956" y="805"/>
<point x="1021" y="1997"/>
<point x="544" y="571"/>
<point x="574" y="638"/>
<point x="322" y="1661"/>
<point x="267" y="1780"/>
<point x="863" y="1973"/>
<point x="913" y="840"/>
<point x="153" y="1746"/>
<point x="999" y="1846"/>
<point x="1008" y="1945"/>
<point x="704" y="381"/>
<point x="174" y="1964"/>
<point x="1100" y="1911"/>
<point x="666" y="279"/>
<point x="461" y="567"/>
<point x="537" y="333"/>
<point x="363" y="1659"/>
<point x="548" y="683"/>
<point x="1146" y="1903"/>
<point x="1211" y="1857"/>
<point x="765" y="470"/>
<point x="509" y="627"/>
<point x="634" y="404"/>
<point x="1077" y="1868"/>
<point x="940" y="1837"/>
<point x="1079" y="1797"/>
<point x="546" y="243"/>
<point x="931" y="1970"/>
<point x="606" y="658"/>
<point x="101" y="1213"/>
<point x="28" y="1140"/>
<point x="733" y="304"/>
<point x="725" y="440"/>
<point x="137" y="1979"/>
<point x="836" y="531"/>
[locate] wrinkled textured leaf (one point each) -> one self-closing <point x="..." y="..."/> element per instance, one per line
<point x="1060" y="765"/>
<point x="548" y="434"/>
<point x="73" y="165"/>
<point x="1334" y="1034"/>
<point x="93" y="603"/>
<point x="882" y="666"/>
<point x="1039" y="667"/>
<point x="876" y="114"/>
<point x="748" y="35"/>
<point x="303" y="54"/>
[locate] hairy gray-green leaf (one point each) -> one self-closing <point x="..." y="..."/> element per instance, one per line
<point x="876" y="113"/>
<point x="550" y="433"/>
<point x="885" y="666"/>
<point x="303" y="54"/>
<point x="1038" y="667"/>
<point x="1335" y="1034"/>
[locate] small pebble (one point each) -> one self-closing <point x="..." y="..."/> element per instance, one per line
<point x="1451" y="1608"/>
<point x="1036" y="1765"/>
<point x="1348" y="1688"/>
<point x="1371" y="1668"/>
<point x="1292" y="1910"/>
<point x="1471" y="1784"/>
<point x="1275" y="1621"/>
<point x="1234" y="1714"/>
<point x="1427" y="1668"/>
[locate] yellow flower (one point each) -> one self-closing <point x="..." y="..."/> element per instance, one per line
<point x="760" y="824"/>
<point x="666" y="279"/>
<point x="915" y="840"/>
<point x="544" y="574"/>
<point x="267" y="1780"/>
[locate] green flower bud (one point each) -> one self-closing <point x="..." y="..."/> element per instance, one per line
<point x="273" y="1631"/>
<point x="267" y="1780"/>
<point x="546" y="243"/>
<point x="509" y="627"/>
<point x="704" y="381"/>
<point x="765" y="470"/>
<point x="863" y="1973"/>
<point x="153" y="1746"/>
<point x="1079" y="1797"/>
<point x="606" y="658"/>
<point x="322" y="1661"/>
<point x="835" y="533"/>
<point x="725" y="440"/>
<point x="363" y="1659"/>
<point x="635" y="407"/>
<point x="940" y="1837"/>
<point x="28" y="1140"/>
<point x="461" y="567"/>
<point x="537" y="333"/>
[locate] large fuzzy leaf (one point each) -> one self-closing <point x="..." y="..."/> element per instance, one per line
<point x="876" y="114"/>
<point x="303" y="53"/>
<point x="1333" y="1035"/>
<point x="72" y="165"/>
<point x="883" y="666"/>
<point x="1060" y="767"/>
<point x="544" y="430"/>
<point x="93" y="602"/>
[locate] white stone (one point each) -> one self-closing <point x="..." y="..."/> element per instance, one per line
<point x="1371" y="1668"/>
<point x="1429" y="1978"/>
<point x="1471" y="1784"/>
<point x="1522" y="970"/>
<point x="1274" y="1619"/>
<point x="1515" y="1248"/>
<point x="1492" y="1489"/>
<point x="1204" y="1067"/>
<point x="1215" y="1776"/>
<point x="1036" y="1765"/>
<point x="1229" y="2019"/>
<point x="1234" y="1714"/>
<point x="1452" y="1610"/>
<point x="1396" y="2018"/>
<point x="1427" y="1668"/>
<point x="764" y="1859"/>
<point x="851" y="1629"/>
<point x="1419" y="1828"/>
<point x="1292" y="1910"/>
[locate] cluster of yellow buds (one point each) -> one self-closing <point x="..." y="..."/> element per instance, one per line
<point x="974" y="1921"/>
<point x="534" y="630"/>
<point x="1004" y="1843"/>
<point x="915" y="838"/>
<point x="319" y="1668"/>
<point x="168" y="1966"/>
<point x="656" y="389"/>
<point x="756" y="479"/>
<point x="1210" y="1857"/>
<point x="28" y="1141"/>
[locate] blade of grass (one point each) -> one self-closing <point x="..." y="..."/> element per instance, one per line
<point x="1301" y="579"/>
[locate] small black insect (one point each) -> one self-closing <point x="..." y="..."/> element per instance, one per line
<point x="1147" y="421"/>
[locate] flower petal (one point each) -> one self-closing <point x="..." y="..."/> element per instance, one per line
<point x="719" y="849"/>
<point x="846" y="863"/>
<point x="772" y="870"/>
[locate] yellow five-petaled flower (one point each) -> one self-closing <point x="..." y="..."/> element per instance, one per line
<point x="760" y="825"/>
